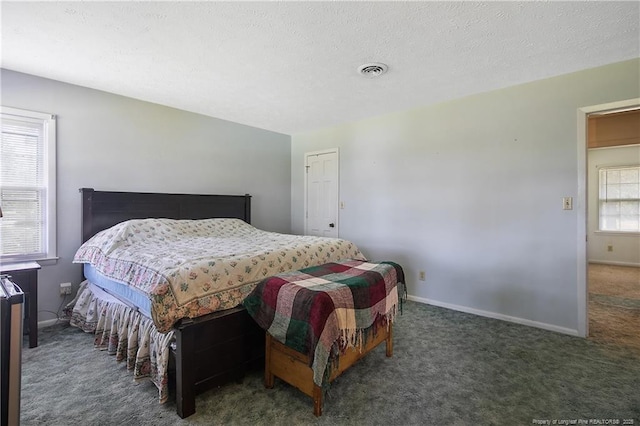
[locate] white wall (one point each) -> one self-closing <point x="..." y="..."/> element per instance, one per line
<point x="110" y="142"/>
<point x="471" y="192"/>
<point x="626" y="247"/>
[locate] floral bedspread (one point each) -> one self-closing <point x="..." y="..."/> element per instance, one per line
<point x="190" y="268"/>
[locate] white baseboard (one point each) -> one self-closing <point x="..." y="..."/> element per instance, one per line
<point x="49" y="323"/>
<point x="610" y="262"/>
<point x="495" y="315"/>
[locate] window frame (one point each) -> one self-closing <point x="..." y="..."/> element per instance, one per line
<point x="49" y="175"/>
<point x="602" y="200"/>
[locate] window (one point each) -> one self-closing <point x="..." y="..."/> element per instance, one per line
<point x="27" y="185"/>
<point x="620" y="199"/>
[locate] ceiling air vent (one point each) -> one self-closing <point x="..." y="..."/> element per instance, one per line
<point x="374" y="69"/>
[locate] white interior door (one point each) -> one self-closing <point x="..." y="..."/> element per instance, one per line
<point x="321" y="201"/>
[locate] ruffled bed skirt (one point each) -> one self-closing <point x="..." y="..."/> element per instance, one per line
<point x="124" y="332"/>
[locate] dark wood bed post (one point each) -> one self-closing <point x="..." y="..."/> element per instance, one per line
<point x="247" y="208"/>
<point x="185" y="378"/>
<point x="87" y="212"/>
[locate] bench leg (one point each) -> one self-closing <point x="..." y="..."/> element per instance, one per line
<point x="317" y="400"/>
<point x="269" y="378"/>
<point x="389" y="342"/>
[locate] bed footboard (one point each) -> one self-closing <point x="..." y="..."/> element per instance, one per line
<point x="214" y="350"/>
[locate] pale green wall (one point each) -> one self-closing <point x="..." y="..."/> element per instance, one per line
<point x="471" y="192"/>
<point x="110" y="142"/>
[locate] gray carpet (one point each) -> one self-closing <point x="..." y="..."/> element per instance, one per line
<point x="448" y="368"/>
<point x="614" y="305"/>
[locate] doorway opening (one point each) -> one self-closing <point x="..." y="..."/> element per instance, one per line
<point x="605" y="278"/>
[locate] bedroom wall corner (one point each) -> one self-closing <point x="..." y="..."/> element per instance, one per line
<point x="470" y="191"/>
<point x="111" y="142"/>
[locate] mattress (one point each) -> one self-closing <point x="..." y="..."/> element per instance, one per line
<point x="134" y="298"/>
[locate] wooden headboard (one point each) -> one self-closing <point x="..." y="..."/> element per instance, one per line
<point x="103" y="209"/>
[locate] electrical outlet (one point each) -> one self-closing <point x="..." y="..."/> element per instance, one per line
<point x="65" y="288"/>
<point x="609" y="247"/>
<point x="422" y="276"/>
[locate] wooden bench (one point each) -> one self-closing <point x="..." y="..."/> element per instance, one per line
<point x="293" y="367"/>
<point x="320" y="320"/>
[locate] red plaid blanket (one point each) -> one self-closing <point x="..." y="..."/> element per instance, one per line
<point x="322" y="310"/>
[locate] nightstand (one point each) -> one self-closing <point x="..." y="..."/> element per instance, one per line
<point x="25" y="275"/>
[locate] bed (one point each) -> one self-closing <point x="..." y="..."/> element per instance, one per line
<point x="198" y="345"/>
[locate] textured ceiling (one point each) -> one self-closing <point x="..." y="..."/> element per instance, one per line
<point x="292" y="66"/>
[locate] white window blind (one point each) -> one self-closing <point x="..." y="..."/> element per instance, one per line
<point x="27" y="185"/>
<point x="619" y="199"/>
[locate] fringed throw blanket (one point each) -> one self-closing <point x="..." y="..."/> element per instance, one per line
<point x="322" y="310"/>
